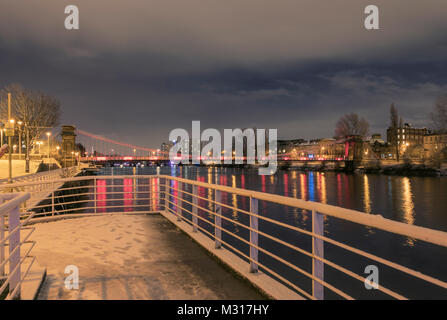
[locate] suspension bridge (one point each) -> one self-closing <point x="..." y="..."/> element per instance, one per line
<point x="101" y="149"/>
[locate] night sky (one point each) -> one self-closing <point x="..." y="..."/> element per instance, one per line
<point x="138" y="69"/>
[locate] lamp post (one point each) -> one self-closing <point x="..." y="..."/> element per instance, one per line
<point x="49" y="148"/>
<point x="77" y="156"/>
<point x="27" y="149"/>
<point x="20" y="138"/>
<point x="10" y="134"/>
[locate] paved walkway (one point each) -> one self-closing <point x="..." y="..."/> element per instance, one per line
<point x="130" y="257"/>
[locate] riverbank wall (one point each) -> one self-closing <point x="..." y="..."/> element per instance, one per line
<point x="378" y="167"/>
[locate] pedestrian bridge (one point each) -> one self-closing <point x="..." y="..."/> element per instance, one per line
<point x="135" y="221"/>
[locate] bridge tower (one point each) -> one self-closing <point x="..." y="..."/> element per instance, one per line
<point x="68" y="145"/>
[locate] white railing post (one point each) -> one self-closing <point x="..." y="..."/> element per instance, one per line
<point x="318" y="251"/>
<point x="2" y="245"/>
<point x="94" y="192"/>
<point x="158" y="184"/>
<point x="14" y="258"/>
<point x="179" y="201"/>
<point x="52" y="203"/>
<point x="218" y="219"/>
<point x="194" y="208"/>
<point x="150" y="195"/>
<point x="167" y="194"/>
<point x="253" y="235"/>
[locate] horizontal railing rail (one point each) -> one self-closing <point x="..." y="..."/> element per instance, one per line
<point x="204" y="212"/>
<point x="43" y="175"/>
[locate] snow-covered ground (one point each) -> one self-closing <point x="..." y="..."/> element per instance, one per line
<point x="18" y="168"/>
<point x="130" y="257"/>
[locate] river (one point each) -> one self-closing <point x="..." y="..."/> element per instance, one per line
<point x="420" y="201"/>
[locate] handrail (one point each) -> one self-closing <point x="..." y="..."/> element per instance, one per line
<point x="96" y="199"/>
<point x="13" y="201"/>
<point x="375" y="221"/>
<point x="32" y="176"/>
<point x="14" y="278"/>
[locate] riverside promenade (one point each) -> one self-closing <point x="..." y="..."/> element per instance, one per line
<point x="131" y="257"/>
<point x="165" y="237"/>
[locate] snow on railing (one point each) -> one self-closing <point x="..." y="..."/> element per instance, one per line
<point x="201" y="205"/>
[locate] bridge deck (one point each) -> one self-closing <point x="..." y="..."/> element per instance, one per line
<point x="131" y="257"/>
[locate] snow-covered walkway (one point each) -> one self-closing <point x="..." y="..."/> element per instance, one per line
<point x="130" y="257"/>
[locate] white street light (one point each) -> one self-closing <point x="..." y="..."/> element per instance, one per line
<point x="48" y="135"/>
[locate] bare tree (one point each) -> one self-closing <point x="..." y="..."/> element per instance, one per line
<point x="38" y="111"/>
<point x="395" y="122"/>
<point x="394" y="116"/>
<point x="439" y="114"/>
<point x="351" y="124"/>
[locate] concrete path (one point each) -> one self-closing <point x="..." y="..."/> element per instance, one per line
<point x="130" y="257"/>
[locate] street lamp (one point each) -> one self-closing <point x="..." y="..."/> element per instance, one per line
<point x="1" y="133"/>
<point x="20" y="138"/>
<point x="48" y="135"/>
<point x="77" y="156"/>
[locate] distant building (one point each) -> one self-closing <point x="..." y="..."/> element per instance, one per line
<point x="327" y="149"/>
<point x="380" y="148"/>
<point x="289" y="146"/>
<point x="166" y="146"/>
<point x="406" y="135"/>
<point x="434" y="144"/>
<point x="376" y="138"/>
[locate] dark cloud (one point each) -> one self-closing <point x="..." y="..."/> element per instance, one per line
<point x="137" y="69"/>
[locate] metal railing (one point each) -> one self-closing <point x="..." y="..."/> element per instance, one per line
<point x="214" y="211"/>
<point x="44" y="175"/>
<point x="11" y="262"/>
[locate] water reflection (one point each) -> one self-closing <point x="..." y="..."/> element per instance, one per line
<point x="128" y="195"/>
<point x="366" y="195"/>
<point x="101" y="195"/>
<point x="321" y="185"/>
<point x="407" y="201"/>
<point x="234" y="203"/>
<point x="392" y="197"/>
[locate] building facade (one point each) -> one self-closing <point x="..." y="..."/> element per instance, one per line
<point x="435" y="144"/>
<point x="406" y="135"/>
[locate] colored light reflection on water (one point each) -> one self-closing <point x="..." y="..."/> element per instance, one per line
<point x="411" y="200"/>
